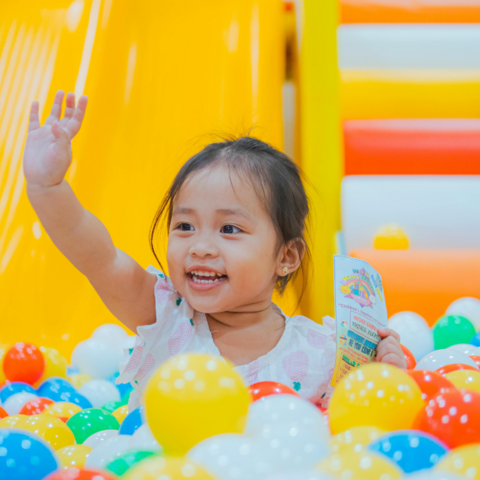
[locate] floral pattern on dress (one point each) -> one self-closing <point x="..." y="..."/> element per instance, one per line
<point x="296" y="367"/>
<point x="180" y="337"/>
<point x="163" y="292"/>
<point x="135" y="360"/>
<point x="252" y="375"/>
<point x="146" y="369"/>
<point x="316" y="339"/>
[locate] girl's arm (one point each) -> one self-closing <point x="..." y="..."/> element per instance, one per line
<point x="123" y="285"/>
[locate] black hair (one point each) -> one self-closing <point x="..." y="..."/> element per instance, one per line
<point x="275" y="179"/>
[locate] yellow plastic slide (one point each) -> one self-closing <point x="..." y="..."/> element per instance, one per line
<point x="160" y="75"/>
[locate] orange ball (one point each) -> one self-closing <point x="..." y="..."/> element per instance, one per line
<point x="409" y="358"/>
<point x="3" y="413"/>
<point x="23" y="362"/>
<point x="454" y="367"/>
<point x="36" y="406"/>
<point x="476" y="359"/>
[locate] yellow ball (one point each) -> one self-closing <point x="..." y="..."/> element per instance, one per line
<point x="192" y="397"/>
<point x="356" y="439"/>
<point x="167" y="468"/>
<point x="462" y="461"/>
<point x="359" y="466"/>
<point x="375" y="395"/>
<point x="73" y="456"/>
<point x="62" y="410"/>
<point x="55" y="365"/>
<point x="51" y="429"/>
<point x="469" y="379"/>
<point x="11" y="421"/>
<point x="79" y="379"/>
<point x="120" y="413"/>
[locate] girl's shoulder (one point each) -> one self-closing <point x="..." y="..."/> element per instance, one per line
<point x="307" y="327"/>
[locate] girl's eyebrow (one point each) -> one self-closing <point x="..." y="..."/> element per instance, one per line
<point x="183" y="210"/>
<point x="236" y="211"/>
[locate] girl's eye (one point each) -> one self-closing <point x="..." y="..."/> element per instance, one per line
<point x="185" y="227"/>
<point x="229" y="229"/>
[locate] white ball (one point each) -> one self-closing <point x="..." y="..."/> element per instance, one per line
<point x="467" y="307"/>
<point x="231" y="457"/>
<point x="99" y="437"/>
<point x="110" y="333"/>
<point x="99" y="392"/>
<point x="310" y="475"/>
<point x="96" y="358"/>
<point x="415" y="334"/>
<point x="108" y="451"/>
<point x="431" y="474"/>
<point x="143" y="439"/>
<point x="285" y="409"/>
<point x="465" y="348"/>
<point x="14" y="403"/>
<point x="440" y="358"/>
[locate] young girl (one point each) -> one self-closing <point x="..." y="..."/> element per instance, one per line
<point x="236" y="218"/>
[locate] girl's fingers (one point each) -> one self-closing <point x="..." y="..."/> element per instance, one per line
<point x="58" y="131"/>
<point x="70" y="106"/>
<point x="34" y="122"/>
<point x="388" y="332"/>
<point x="75" y="122"/>
<point x="56" y="108"/>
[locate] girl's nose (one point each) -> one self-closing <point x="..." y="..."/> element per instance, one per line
<point x="204" y="247"/>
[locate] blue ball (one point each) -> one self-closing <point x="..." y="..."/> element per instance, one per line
<point x="15" y="387"/>
<point x="132" y="422"/>
<point x="24" y="456"/>
<point x="411" y="450"/>
<point x="476" y="340"/>
<point x="61" y="390"/>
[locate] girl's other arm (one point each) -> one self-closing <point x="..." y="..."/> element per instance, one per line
<point x="123" y="285"/>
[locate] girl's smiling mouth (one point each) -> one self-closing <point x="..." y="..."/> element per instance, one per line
<point x="201" y="279"/>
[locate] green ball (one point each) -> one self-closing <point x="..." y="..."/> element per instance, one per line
<point x="452" y="330"/>
<point x="112" y="406"/>
<point x="120" y="465"/>
<point x="90" y="421"/>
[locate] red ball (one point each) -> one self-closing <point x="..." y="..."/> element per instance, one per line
<point x="36" y="406"/>
<point x="264" y="389"/>
<point x="23" y="362"/>
<point x="3" y="413"/>
<point x="82" y="474"/>
<point x="409" y="357"/>
<point x="453" y="417"/>
<point x="431" y="384"/>
<point x="476" y="359"/>
<point x="454" y="367"/>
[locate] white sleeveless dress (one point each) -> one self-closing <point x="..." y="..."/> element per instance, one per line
<point x="303" y="359"/>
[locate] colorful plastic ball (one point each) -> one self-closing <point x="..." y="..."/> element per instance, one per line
<point x="79" y="379"/>
<point x="3" y="348"/>
<point x="132" y="422"/>
<point x="355" y="439"/>
<point x="414" y="331"/>
<point x="62" y="410"/>
<point x="100" y="437"/>
<point x="476" y="359"/>
<point x="465" y="348"/>
<point x="467" y="307"/>
<point x="126" y="461"/>
<point x="3" y="413"/>
<point x="144" y="440"/>
<point x="55" y="365"/>
<point x="453" y="417"/>
<point x="468" y="380"/>
<point x="92" y="420"/>
<point x="120" y="413"/>
<point x="108" y="451"/>
<point x="36" y="406"/>
<point x="11" y="421"/>
<point x="61" y="390"/>
<point x="168" y="468"/>
<point x="359" y="466"/>
<point x="25" y="456"/>
<point x="264" y="389"/>
<point x="440" y="358"/>
<point x="431" y="383"/>
<point x="410" y="450"/>
<point x="23" y="362"/>
<point x="451" y="330"/>
<point x="15" y="387"/>
<point x="110" y="407"/>
<point x="110" y="333"/>
<point x="50" y="429"/>
<point x="204" y="391"/>
<point x="375" y="395"/>
<point x="99" y="392"/>
<point x="454" y="367"/>
<point x="464" y="461"/>
<point x="409" y="358"/>
<point x="15" y="402"/>
<point x="73" y="456"/>
<point x="80" y="474"/>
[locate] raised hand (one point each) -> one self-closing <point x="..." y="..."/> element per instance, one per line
<point x="48" y="151"/>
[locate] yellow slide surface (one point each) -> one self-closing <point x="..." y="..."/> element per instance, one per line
<point x="160" y="76"/>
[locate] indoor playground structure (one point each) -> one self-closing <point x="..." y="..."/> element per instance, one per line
<point x="378" y="102"/>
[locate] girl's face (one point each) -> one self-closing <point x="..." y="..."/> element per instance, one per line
<point x="222" y="244"/>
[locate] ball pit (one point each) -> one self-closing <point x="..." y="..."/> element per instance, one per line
<point x="201" y="421"/>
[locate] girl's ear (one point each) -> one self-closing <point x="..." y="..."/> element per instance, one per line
<point x="290" y="257"/>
